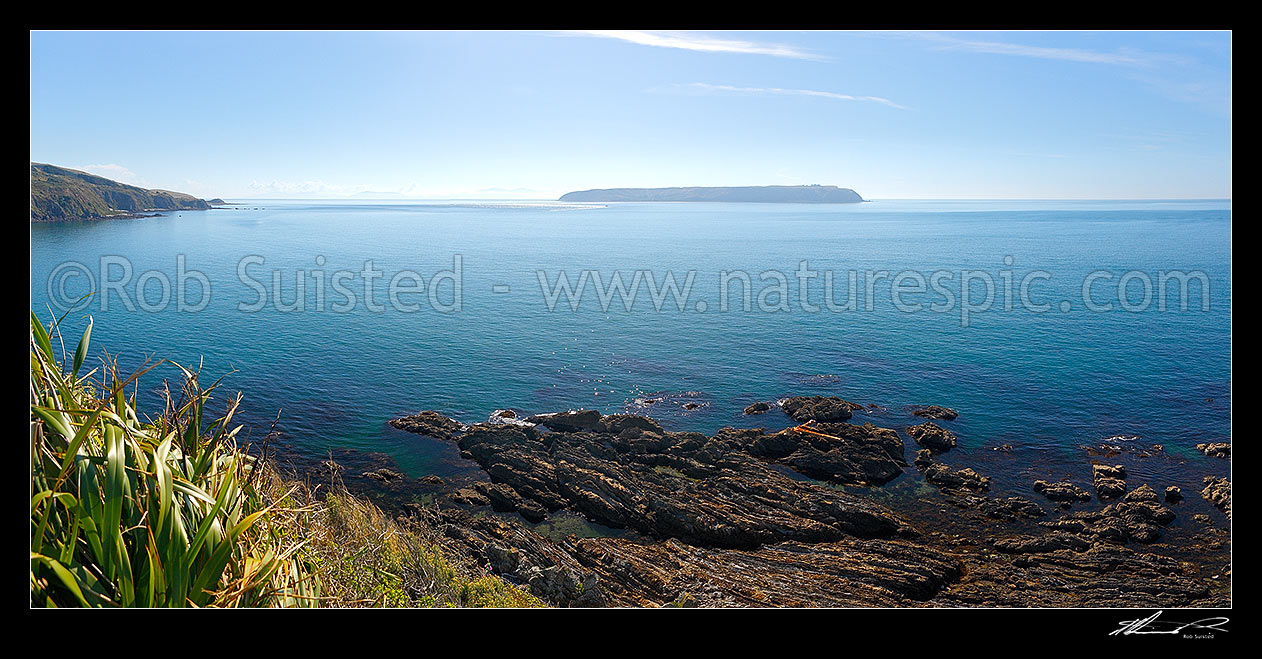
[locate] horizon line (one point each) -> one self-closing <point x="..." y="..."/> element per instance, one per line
<point x="866" y="199"/>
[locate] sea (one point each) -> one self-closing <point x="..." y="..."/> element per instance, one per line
<point x="1063" y="332"/>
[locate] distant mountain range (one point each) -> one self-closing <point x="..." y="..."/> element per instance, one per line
<point x="61" y="195"/>
<point x="810" y="194"/>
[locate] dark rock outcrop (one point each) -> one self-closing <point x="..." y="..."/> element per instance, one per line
<point x="1042" y="544"/>
<point x="572" y="421"/>
<point x="722" y="520"/>
<point x="933" y="437"/>
<point x="1102" y="575"/>
<point x="505" y="499"/>
<point x="1215" y="449"/>
<point x="467" y="496"/>
<point x="430" y="424"/>
<point x="521" y="556"/>
<point x="818" y="408"/>
<point x="623" y="572"/>
<point x="1218" y="492"/>
<point x="757" y="408"/>
<point x="1110" y="482"/>
<point x="844" y="572"/>
<point x="619" y="423"/>
<point x="840" y="453"/>
<point x="705" y="491"/>
<point x="1138" y="517"/>
<point x="1002" y="508"/>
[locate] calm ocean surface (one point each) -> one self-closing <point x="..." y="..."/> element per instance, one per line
<point x="1047" y="383"/>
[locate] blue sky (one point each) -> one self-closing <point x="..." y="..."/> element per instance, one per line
<point x="1045" y="115"/>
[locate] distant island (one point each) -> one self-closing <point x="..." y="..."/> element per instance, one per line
<point x="774" y="194"/>
<point x="64" y="195"/>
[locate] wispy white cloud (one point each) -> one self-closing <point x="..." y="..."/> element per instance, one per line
<point x="1176" y="76"/>
<point x="730" y="89"/>
<point x="305" y="189"/>
<point x="316" y="189"/>
<point x="1021" y="154"/>
<point x="1121" y="56"/>
<point x="111" y="171"/>
<point x="702" y="43"/>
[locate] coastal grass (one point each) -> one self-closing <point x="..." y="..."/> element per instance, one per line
<point x="170" y="511"/>
<point x="368" y="558"/>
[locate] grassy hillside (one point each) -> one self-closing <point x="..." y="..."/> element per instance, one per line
<point x="166" y="510"/>
<point x="59" y="194"/>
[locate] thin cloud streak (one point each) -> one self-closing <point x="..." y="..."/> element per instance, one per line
<point x="701" y="43"/>
<point x="1177" y="77"/>
<point x="705" y="86"/>
<point x="1120" y="57"/>
<point x="111" y="171"/>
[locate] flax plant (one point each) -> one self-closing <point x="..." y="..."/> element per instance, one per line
<point x="169" y="511"/>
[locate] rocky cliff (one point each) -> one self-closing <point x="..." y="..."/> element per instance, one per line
<point x="59" y="195"/>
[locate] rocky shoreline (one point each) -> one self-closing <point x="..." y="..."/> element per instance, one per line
<point x="750" y="517"/>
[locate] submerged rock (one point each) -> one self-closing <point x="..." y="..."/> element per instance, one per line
<point x="1005" y="508"/>
<point x="327" y="467"/>
<point x="949" y="479"/>
<point x="936" y="412"/>
<point x="963" y="487"/>
<point x="1062" y="491"/>
<point x="383" y="475"/>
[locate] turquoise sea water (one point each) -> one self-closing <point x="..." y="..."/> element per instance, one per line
<point x="1048" y="383"/>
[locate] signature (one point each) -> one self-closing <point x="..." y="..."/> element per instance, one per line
<point x="1151" y="625"/>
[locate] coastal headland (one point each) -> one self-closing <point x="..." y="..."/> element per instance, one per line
<point x="59" y="194"/>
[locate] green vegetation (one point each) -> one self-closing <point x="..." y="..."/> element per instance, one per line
<point x="59" y="194"/>
<point x="170" y="511"/>
<point x="369" y="559"/>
